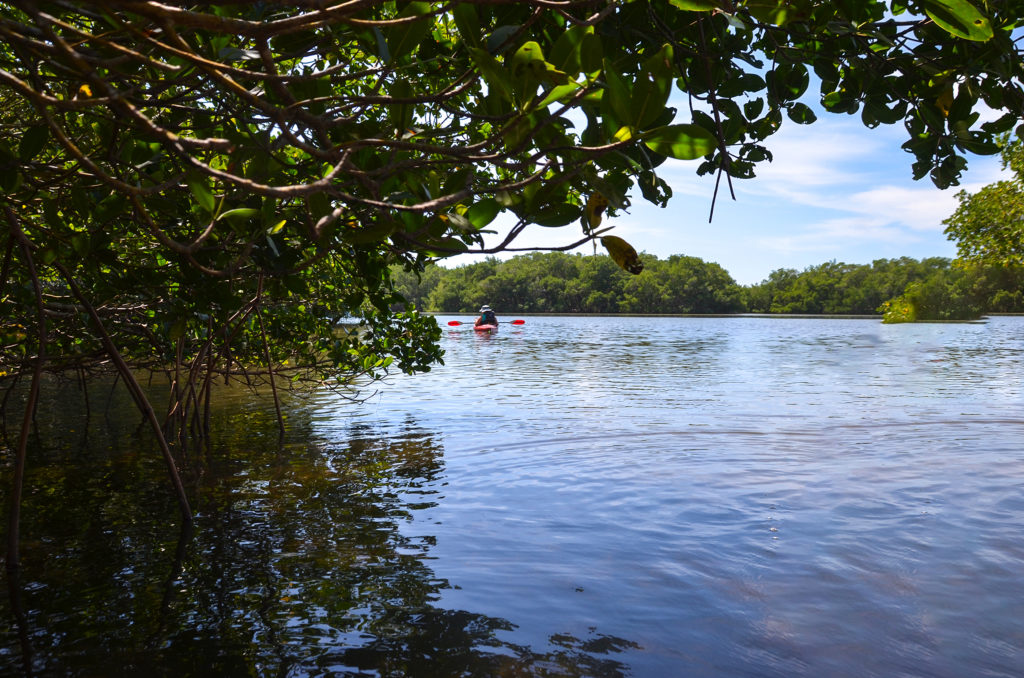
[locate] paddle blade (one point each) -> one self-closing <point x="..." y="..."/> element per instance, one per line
<point x="454" y="323"/>
<point x="518" y="322"/>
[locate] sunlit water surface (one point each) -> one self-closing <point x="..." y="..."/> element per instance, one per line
<point x="594" y="496"/>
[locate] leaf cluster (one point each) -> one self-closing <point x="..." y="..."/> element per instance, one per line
<point x="988" y="226"/>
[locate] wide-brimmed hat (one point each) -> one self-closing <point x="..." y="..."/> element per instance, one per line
<point x="485" y="308"/>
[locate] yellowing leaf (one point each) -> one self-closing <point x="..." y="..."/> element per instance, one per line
<point x="945" y="100"/>
<point x="178" y="329"/>
<point x="528" y="60"/>
<point x="623" y="254"/>
<point x="625" y="133"/>
<point x="528" y="69"/>
<point x="595" y="206"/>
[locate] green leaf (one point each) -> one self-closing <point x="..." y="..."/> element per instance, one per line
<point x="884" y="114"/>
<point x="565" y="53"/>
<point x="683" y="142"/>
<point x="737" y="22"/>
<point x="80" y="243"/>
<point x="239" y="214"/>
<point x="559" y="93"/>
<point x="1000" y="125"/>
<point x="376" y="232"/>
<point x="553" y="76"/>
<point x="554" y="216"/>
<point x="446" y="244"/>
<point x="978" y="143"/>
<point x="467" y="22"/>
<point x="801" y="114"/>
<point x="201" y="192"/>
<point x="401" y="114"/>
<point x="611" y="188"/>
<point x="528" y="69"/>
<point x="455" y="219"/>
<point x="491" y="71"/>
<point x="10" y="179"/>
<point x="651" y="89"/>
<point x="51" y="214"/>
<point x="654" y="188"/>
<point x="404" y="38"/>
<point x="778" y="12"/>
<point x="483" y="212"/>
<point x="498" y="41"/>
<point x="319" y="205"/>
<point x="382" y="44"/>
<point x="753" y="108"/>
<point x="591" y="53"/>
<point x="32" y="142"/>
<point x="268" y="211"/>
<point x="618" y="95"/>
<point x="273" y="246"/>
<point x="959" y="18"/>
<point x="694" y="5"/>
<point x="788" y="81"/>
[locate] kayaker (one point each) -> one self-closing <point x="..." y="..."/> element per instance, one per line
<point x="487" y="317"/>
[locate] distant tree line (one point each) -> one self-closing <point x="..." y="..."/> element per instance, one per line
<point x="902" y="289"/>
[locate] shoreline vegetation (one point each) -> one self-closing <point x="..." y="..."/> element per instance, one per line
<point x="897" y="290"/>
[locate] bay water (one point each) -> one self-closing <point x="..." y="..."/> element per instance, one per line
<point x="645" y="496"/>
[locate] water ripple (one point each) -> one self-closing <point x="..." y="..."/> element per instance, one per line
<point x="743" y="497"/>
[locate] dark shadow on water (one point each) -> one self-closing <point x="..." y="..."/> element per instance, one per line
<point x="297" y="564"/>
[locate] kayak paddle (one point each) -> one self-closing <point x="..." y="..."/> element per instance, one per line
<point x="455" y="323"/>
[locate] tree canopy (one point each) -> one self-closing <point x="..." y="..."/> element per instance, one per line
<point x="208" y="189"/>
<point x="555" y="282"/>
<point x="903" y="289"/>
<point x="988" y="226"/>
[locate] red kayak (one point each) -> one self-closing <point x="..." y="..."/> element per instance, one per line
<point x="484" y="328"/>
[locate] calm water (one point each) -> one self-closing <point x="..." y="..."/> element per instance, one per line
<point x="576" y="496"/>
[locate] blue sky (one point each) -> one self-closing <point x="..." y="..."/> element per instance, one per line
<point x="835" y="190"/>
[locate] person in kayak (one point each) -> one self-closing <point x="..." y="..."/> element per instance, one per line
<point x="487" y="317"/>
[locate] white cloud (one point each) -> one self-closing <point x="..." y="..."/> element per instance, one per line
<point x="816" y="157"/>
<point x="834" y="236"/>
<point x="919" y="209"/>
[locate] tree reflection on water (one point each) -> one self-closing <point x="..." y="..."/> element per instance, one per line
<point x="296" y="564"/>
